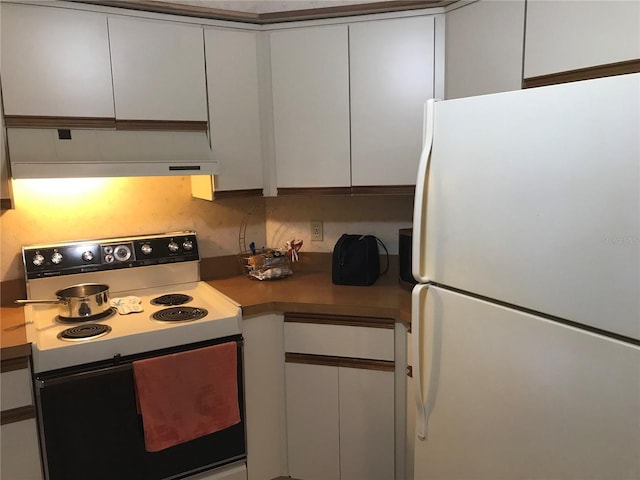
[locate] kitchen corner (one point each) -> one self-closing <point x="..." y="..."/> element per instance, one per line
<point x="309" y="290"/>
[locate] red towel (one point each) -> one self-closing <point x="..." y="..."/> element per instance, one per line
<point x="186" y="395"/>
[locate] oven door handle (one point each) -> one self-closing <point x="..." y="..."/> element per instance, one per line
<point x="58" y="380"/>
<point x="118" y="364"/>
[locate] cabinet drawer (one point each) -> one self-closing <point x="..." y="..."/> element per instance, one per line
<point x="339" y="340"/>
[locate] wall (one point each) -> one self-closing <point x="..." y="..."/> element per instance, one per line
<point x="289" y="217"/>
<point x="48" y="211"/>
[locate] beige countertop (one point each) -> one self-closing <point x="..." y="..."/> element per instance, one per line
<point x="305" y="291"/>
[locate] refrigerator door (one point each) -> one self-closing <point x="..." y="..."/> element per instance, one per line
<point x="513" y="396"/>
<point x="533" y="198"/>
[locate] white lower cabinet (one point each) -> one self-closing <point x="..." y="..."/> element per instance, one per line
<point x="264" y="396"/>
<point x="331" y="414"/>
<point x="20" y="453"/>
<point x="366" y="424"/>
<point x="313" y="421"/>
<point x="340" y="422"/>
<point x="340" y="397"/>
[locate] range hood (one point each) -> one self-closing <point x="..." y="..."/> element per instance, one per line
<point x="72" y="153"/>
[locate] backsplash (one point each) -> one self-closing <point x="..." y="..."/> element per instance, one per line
<point x="48" y="211"/>
<point x="290" y="217"/>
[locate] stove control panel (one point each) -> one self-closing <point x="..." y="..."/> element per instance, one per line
<point x="107" y="254"/>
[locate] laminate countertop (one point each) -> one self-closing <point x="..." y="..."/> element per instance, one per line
<point x="313" y="292"/>
<point x="305" y="291"/>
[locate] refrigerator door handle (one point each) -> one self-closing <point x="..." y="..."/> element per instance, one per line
<point x="421" y="195"/>
<point x="417" y="295"/>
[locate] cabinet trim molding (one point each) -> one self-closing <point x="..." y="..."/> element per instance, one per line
<point x="12" y="364"/>
<point x="331" y="361"/>
<point x="17" y="414"/>
<point x="32" y="121"/>
<point x="249" y="192"/>
<point x="273" y="17"/>
<point x="163" y="125"/>
<point x="589" y="73"/>
<point x="356" y="190"/>
<point x="345" y="320"/>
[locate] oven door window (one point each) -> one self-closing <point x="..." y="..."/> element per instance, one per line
<point x="91" y="429"/>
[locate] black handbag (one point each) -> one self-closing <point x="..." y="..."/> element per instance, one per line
<point x="356" y="260"/>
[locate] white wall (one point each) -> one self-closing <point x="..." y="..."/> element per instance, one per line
<point x="289" y="217"/>
<point x="48" y="211"/>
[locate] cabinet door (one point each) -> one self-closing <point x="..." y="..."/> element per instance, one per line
<point x="55" y="62"/>
<point x="310" y="82"/>
<point x="5" y="185"/>
<point x="20" y="452"/>
<point x="484" y="43"/>
<point x="232" y="85"/>
<point x="392" y="73"/>
<point x="158" y="70"/>
<point x="563" y="35"/>
<point x="313" y="421"/>
<point x="264" y="396"/>
<point x="367" y="428"/>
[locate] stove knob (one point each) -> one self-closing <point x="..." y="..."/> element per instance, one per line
<point x="146" y="249"/>
<point x="187" y="245"/>
<point x="38" y="260"/>
<point x="173" y="247"/>
<point x="56" y="258"/>
<point x="109" y="258"/>
<point x="87" y="256"/>
<point x="122" y="253"/>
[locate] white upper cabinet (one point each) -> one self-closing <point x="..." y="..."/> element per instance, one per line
<point x="568" y="35"/>
<point x="310" y="85"/>
<point x="5" y="185"/>
<point x="158" y="70"/>
<point x="484" y="43"/>
<point x="392" y="75"/>
<point x="55" y="62"/>
<point x="232" y="83"/>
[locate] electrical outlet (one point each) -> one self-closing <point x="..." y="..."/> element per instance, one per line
<point x="316" y="230"/>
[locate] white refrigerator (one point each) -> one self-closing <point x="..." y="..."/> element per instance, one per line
<point x="526" y="317"/>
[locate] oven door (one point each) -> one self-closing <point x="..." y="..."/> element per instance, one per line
<point x="90" y="428"/>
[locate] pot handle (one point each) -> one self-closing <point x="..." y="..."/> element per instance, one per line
<point x="25" y="302"/>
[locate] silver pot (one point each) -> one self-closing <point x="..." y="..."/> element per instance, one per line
<point x="79" y="301"/>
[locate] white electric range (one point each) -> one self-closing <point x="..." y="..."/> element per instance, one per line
<point x="149" y="267"/>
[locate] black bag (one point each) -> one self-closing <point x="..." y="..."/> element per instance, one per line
<point x="356" y="260"/>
